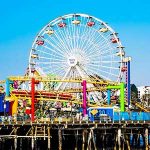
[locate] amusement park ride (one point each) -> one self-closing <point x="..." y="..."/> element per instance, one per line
<point x="77" y="70"/>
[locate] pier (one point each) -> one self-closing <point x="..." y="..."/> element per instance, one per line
<point x="75" y="135"/>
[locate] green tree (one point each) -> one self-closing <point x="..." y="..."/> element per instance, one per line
<point x="134" y="92"/>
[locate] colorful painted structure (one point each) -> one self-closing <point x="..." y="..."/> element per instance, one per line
<point x="31" y="98"/>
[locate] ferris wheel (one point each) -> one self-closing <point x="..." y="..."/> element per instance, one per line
<point x="77" y="46"/>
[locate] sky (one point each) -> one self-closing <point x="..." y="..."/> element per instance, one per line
<point x="21" y="20"/>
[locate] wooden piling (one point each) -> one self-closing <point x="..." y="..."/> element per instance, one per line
<point x="60" y="139"/>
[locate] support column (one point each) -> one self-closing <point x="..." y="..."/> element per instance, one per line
<point x="76" y="137"/>
<point x="60" y="139"/>
<point x="122" y="105"/>
<point x="127" y="142"/>
<point x="84" y="105"/>
<point x="32" y="143"/>
<point x="94" y="142"/>
<point x="7" y="87"/>
<point x="7" y="90"/>
<point x="32" y="139"/>
<point x="128" y="83"/>
<point x="108" y="96"/>
<point x="32" y="98"/>
<point x="15" y="139"/>
<point x="146" y="139"/>
<point x="21" y="144"/>
<point x="119" y="138"/>
<point x="49" y="140"/>
<point x="15" y="142"/>
<point x="83" y="139"/>
<point x="14" y="107"/>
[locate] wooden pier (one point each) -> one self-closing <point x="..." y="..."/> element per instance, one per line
<point x="75" y="135"/>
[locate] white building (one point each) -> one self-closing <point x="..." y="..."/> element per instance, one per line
<point x="143" y="90"/>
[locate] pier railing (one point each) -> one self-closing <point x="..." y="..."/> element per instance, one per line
<point x="103" y="118"/>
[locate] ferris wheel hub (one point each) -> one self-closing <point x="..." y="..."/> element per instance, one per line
<point x="72" y="61"/>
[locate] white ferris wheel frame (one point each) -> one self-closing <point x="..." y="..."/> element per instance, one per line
<point x="57" y="20"/>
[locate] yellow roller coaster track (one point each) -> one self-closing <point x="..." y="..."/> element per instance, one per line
<point x="140" y="106"/>
<point x="2" y="81"/>
<point x="46" y="79"/>
<point x="73" y="100"/>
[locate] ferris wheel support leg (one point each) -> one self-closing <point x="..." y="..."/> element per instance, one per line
<point x="122" y="105"/>
<point x="84" y="105"/>
<point x="108" y="96"/>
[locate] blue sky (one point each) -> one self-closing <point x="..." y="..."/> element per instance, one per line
<point x="21" y="20"/>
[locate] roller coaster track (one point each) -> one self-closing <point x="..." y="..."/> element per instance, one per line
<point x="2" y="81"/>
<point x="46" y="79"/>
<point x="57" y="99"/>
<point x="141" y="107"/>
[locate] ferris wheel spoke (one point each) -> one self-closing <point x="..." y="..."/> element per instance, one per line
<point x="65" y="40"/>
<point x="74" y="34"/>
<point x="91" y="42"/>
<point x="55" y="71"/>
<point x="78" y="37"/>
<point x="52" y="55"/>
<point x="49" y="63"/>
<point x="60" y="68"/>
<point x="92" y="38"/>
<point x="115" y="68"/>
<point x="91" y="71"/>
<point x="98" y="53"/>
<point x="55" y="59"/>
<point x="44" y="52"/>
<point x="111" y="55"/>
<point x="60" y="47"/>
<point x="106" y="48"/>
<point x="53" y="63"/>
<point x="102" y="61"/>
<point x="104" y="77"/>
<point x="61" y="42"/>
<point x="68" y="34"/>
<point x="108" y="43"/>
<point x="110" y="50"/>
<point x="101" y="40"/>
<point x="102" y="48"/>
<point x="88" y="37"/>
<point x="93" y="46"/>
<point x="69" y="39"/>
<point x="109" y="73"/>
<point x="57" y="40"/>
<point x="55" y="47"/>
<point x="53" y="51"/>
<point x="95" y="35"/>
<point x="84" y="35"/>
<point x="66" y="74"/>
